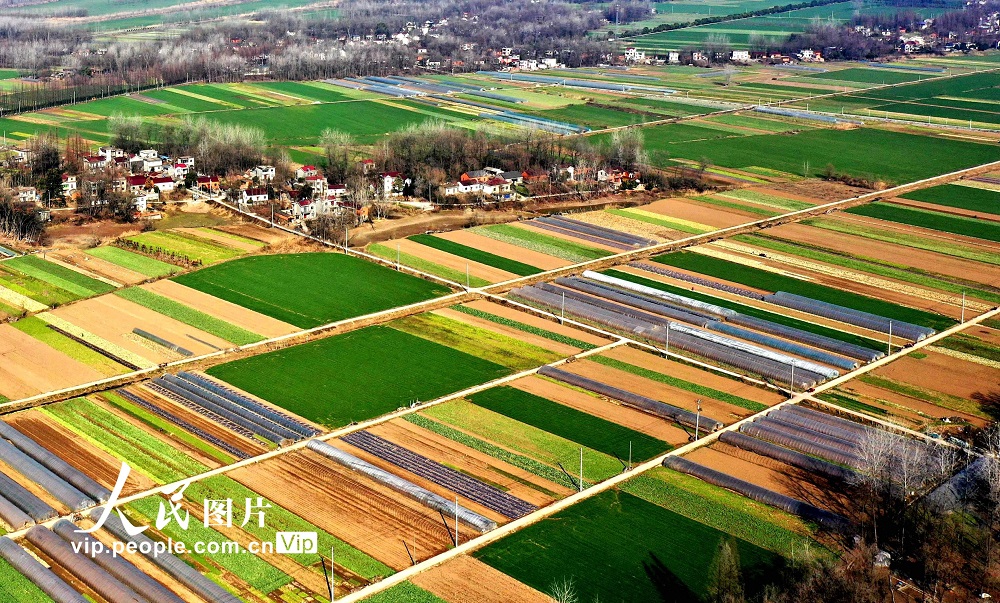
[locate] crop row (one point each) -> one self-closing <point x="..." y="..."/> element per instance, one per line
<point x="542" y="243"/>
<point x="427" y="266"/>
<point x="514" y="324"/>
<point x="476" y="255"/>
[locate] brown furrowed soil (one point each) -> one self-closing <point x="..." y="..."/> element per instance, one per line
<point x="28" y="366"/>
<point x="96" y="265"/>
<point x="489" y="273"/>
<point x="953" y="376"/>
<point x="363" y="513"/>
<point x="468" y="580"/>
<point x="75" y="450"/>
<point x="691" y="210"/>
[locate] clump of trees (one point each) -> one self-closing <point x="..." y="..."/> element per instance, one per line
<point x="217" y="147"/>
<point x="19" y="222"/>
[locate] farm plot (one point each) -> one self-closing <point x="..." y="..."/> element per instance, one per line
<point x="190" y="316"/>
<point x="466" y="579"/>
<point x="591" y="431"/>
<point x="93" y="265"/>
<point x="481" y="342"/>
<point x="469" y="238"/>
<point x="644" y="548"/>
<point x="868" y="251"/>
<point x="133" y="262"/>
<point x="310" y="289"/>
<point x="900" y="157"/>
<point x="16" y="588"/>
<point x="370" y="517"/>
<point x="40" y="330"/>
<point x="932" y="220"/>
<point x="771" y="281"/>
<point x="958" y="196"/>
<point x="127" y="337"/>
<point x="694" y="215"/>
<point x="947" y="377"/>
<point x="30" y="366"/>
<point x="441" y="263"/>
<point x="541" y="242"/>
<point x="148" y="454"/>
<point x="67" y="279"/>
<point x="476" y="255"/>
<point x="523" y="322"/>
<point x="870" y="76"/>
<point x="309" y="379"/>
<point x="185" y="245"/>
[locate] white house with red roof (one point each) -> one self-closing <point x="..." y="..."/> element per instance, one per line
<point x="306" y="171"/>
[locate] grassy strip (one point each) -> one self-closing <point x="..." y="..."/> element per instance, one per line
<point x="525" y="439"/>
<point x="665" y="221"/>
<point x="723" y="510"/>
<point x="992" y="323"/>
<point x="38" y="329"/>
<point x="406" y="592"/>
<point x="938" y="398"/>
<point x="870" y="266"/>
<point x="542" y="243"/>
<point x="418" y="263"/>
<point x="751" y="311"/>
<point x="167" y="427"/>
<point x="357" y="375"/>
<point x="144" y="452"/>
<point x="907" y="240"/>
<point x="64" y="278"/>
<point x="482" y="343"/>
<point x="183" y="244"/>
<point x="851" y="404"/>
<point x="962" y="197"/>
<point x="280" y="519"/>
<point x="512" y="458"/>
<point x="960" y="225"/>
<point x="253" y="570"/>
<point x="133" y="261"/>
<point x="15" y="588"/>
<point x="971" y="345"/>
<point x="189" y="316"/>
<point x="759" y="211"/>
<point x="476" y="255"/>
<point x="770" y="281"/>
<point x="520" y="326"/>
<point x="701" y="390"/>
<point x="586" y="429"/>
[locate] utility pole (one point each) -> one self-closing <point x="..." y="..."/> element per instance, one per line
<point x="963" y="306"/>
<point x="581" y="468"/>
<point x="697" y="420"/>
<point x="666" y="340"/>
<point x="456" y="521"/>
<point x="791" y="383"/>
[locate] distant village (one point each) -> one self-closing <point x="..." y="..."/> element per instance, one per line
<point x="148" y="180"/>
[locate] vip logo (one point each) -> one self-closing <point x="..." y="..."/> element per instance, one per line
<point x="295" y="543"/>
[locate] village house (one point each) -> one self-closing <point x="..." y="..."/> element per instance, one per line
<point x="263" y="173"/>
<point x="69" y="185"/>
<point x="306" y="171"/>
<point x="253" y="196"/>
<point x="208" y="184"/>
<point x="164" y="184"/>
<point x="27" y="194"/>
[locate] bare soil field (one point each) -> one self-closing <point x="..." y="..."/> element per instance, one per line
<point x="366" y="515"/>
<point x="493" y="275"/>
<point x="720" y="411"/>
<point x="85" y="234"/>
<point x="918" y="411"/>
<point x="887" y="252"/>
<point x="252" y="447"/>
<point x="771" y="474"/>
<point x="537" y="491"/>
<point x="691" y="210"/>
<point x="29" y="366"/>
<point x="220" y="308"/>
<point x="521" y="254"/>
<point x="819" y="191"/>
<point x="548" y="344"/>
<point x="113" y="318"/>
<point x="398" y="228"/>
<point x="468" y="580"/>
<point x="96" y="265"/>
<point x="609" y="410"/>
<point x="938" y="372"/>
<point x="75" y="450"/>
<point x="695" y="375"/>
<point x="536" y="321"/>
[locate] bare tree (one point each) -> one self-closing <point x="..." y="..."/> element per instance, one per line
<point x="564" y="591"/>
